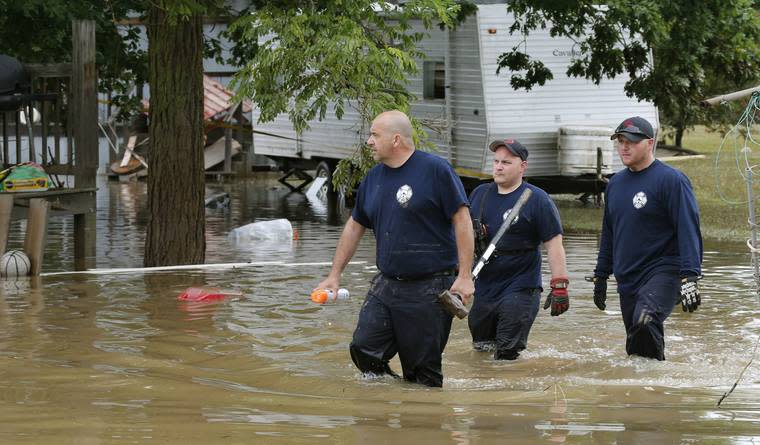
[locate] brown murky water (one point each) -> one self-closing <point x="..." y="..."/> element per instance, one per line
<point x="115" y="358"/>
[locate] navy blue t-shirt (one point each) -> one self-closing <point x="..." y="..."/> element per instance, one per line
<point x="650" y="225"/>
<point x="409" y="209"/>
<point x="537" y="223"/>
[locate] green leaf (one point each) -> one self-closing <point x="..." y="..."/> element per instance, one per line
<point x="698" y="49"/>
<point x="302" y="57"/>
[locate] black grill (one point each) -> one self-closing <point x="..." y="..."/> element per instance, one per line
<point x="14" y="83"/>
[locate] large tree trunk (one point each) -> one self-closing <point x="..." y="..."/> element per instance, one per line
<point x="176" y="229"/>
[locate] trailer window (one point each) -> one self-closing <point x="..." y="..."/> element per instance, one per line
<point x="434" y="80"/>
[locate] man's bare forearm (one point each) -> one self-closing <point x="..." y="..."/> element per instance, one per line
<point x="555" y="253"/>
<point x="349" y="241"/>
<point x="465" y="241"/>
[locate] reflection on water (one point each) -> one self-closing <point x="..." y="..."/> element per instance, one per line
<point x="116" y="358"/>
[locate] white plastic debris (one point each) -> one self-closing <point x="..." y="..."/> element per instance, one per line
<point x="274" y="230"/>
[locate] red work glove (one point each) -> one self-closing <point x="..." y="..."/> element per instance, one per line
<point x="558" y="298"/>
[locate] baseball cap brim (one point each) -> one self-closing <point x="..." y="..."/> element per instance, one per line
<point x="512" y="146"/>
<point x="633" y="137"/>
<point x="496" y="144"/>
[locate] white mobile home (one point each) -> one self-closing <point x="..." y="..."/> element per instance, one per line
<point x="466" y="105"/>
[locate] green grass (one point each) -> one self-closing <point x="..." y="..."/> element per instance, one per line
<point x="720" y="220"/>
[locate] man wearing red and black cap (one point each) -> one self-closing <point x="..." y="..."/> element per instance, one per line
<point x="650" y="240"/>
<point x="508" y="289"/>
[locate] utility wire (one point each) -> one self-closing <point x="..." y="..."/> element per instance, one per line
<point x="746" y="171"/>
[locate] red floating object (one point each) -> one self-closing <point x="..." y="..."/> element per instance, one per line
<point x="206" y="294"/>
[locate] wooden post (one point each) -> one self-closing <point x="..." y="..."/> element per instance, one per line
<point x="36" y="229"/>
<point x="227" y="150"/>
<point x="84" y="241"/>
<point x="245" y="140"/>
<point x="28" y="113"/>
<point x="6" y="207"/>
<point x="599" y="196"/>
<point x="250" y="152"/>
<point x="84" y="100"/>
<point x="229" y="120"/>
<point x="18" y="138"/>
<point x="599" y="163"/>
<point x="5" y="152"/>
<point x="113" y="138"/>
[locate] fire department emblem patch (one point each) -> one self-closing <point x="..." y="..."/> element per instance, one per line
<point x="404" y="195"/>
<point x="639" y="200"/>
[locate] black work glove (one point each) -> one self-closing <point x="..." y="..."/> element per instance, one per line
<point x="558" y="298"/>
<point x="690" y="299"/>
<point x="600" y="292"/>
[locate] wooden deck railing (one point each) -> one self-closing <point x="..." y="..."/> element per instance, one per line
<point x="64" y="140"/>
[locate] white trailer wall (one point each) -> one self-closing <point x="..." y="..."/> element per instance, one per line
<point x="534" y="117"/>
<point x="466" y="97"/>
<point x="482" y="105"/>
<point x="336" y="139"/>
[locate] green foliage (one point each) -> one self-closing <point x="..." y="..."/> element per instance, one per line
<point x="183" y="10"/>
<point x="699" y="49"/>
<point x="307" y="59"/>
<point x="39" y="31"/>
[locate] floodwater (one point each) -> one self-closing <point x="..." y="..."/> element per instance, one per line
<point x="115" y="358"/>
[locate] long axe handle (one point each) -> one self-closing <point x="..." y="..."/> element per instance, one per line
<point x="453" y="303"/>
<point x="510" y="219"/>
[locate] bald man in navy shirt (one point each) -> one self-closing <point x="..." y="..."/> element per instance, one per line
<point x="417" y="208"/>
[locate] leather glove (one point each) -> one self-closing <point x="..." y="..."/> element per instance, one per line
<point x="558" y="298"/>
<point x="600" y="292"/>
<point x="690" y="299"/>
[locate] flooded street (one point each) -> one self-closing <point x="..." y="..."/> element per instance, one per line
<point x="115" y="358"/>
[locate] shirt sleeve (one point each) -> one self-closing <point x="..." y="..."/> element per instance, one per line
<point x="550" y="223"/>
<point x="359" y="213"/>
<point x="451" y="192"/>
<point x="684" y="213"/>
<point x="604" y="258"/>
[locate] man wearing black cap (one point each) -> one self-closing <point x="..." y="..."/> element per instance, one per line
<point x="650" y="240"/>
<point x="508" y="289"/>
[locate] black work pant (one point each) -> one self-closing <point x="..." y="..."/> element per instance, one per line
<point x="644" y="313"/>
<point x="403" y="317"/>
<point x="504" y="323"/>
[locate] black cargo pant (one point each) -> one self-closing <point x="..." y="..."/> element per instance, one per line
<point x="644" y="313"/>
<point x="403" y="317"/>
<point x="504" y="323"/>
